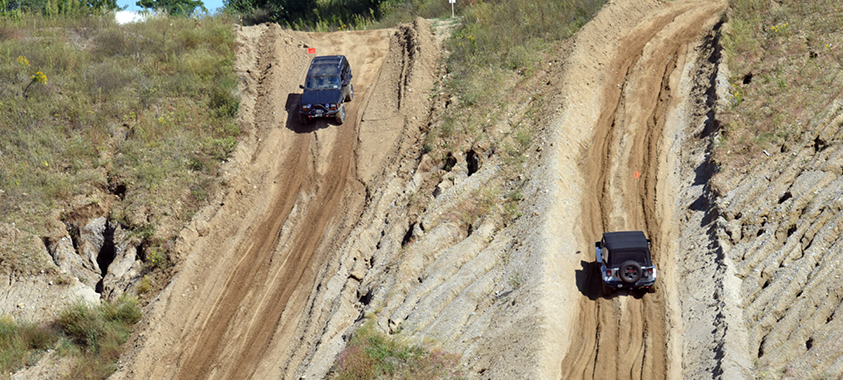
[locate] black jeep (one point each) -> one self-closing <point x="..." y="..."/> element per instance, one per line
<point x="327" y="86"/>
<point x="624" y="261"/>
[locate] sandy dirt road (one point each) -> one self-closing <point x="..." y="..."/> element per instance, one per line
<point x="630" y="335"/>
<point x="250" y="267"/>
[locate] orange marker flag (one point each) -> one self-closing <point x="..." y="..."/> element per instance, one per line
<point x="311" y="50"/>
<point x="636" y="174"/>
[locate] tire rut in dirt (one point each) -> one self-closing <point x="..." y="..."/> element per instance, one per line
<point x="625" y="335"/>
<point x="264" y="295"/>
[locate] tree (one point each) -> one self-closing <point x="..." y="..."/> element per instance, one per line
<point x="173" y="7"/>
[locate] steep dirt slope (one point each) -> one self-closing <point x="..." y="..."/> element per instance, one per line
<point x="780" y="226"/>
<point x="630" y="89"/>
<point x="250" y="262"/>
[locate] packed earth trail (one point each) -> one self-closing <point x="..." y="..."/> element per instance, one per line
<point x="251" y="261"/>
<point x="640" y="77"/>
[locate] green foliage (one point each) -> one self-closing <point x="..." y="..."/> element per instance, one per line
<point x="314" y="15"/>
<point x="97" y="334"/>
<point x="174" y="7"/>
<point x="21" y="343"/>
<point x="92" y="334"/>
<point x="373" y="355"/>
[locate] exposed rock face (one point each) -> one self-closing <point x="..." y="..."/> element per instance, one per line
<point x="96" y="239"/>
<point x="90" y="244"/>
<point x="125" y="270"/>
<point x="38" y="291"/>
<point x="68" y="261"/>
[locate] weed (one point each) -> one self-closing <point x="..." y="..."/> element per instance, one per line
<point x="145" y="285"/>
<point x="95" y="334"/>
<point x="515" y="281"/>
<point x="21" y="343"/>
<point x="371" y="354"/>
<point x="63" y="279"/>
<point x="157" y="258"/>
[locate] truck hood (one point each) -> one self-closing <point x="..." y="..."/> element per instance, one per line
<point x="320" y="96"/>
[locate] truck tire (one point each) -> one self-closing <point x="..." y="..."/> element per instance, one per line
<point x="341" y="115"/>
<point x="630" y="272"/>
<point x="350" y="94"/>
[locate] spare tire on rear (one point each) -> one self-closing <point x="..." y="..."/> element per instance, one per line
<point x="630" y="272"/>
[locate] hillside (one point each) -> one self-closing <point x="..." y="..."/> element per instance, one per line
<point x="483" y="249"/>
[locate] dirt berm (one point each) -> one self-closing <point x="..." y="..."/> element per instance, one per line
<point x="315" y="230"/>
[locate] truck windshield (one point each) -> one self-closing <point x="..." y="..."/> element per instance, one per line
<point x="322" y="83"/>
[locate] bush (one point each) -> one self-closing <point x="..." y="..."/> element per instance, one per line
<point x="97" y="334"/>
<point x="373" y="355"/>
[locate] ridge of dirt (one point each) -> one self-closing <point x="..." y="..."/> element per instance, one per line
<point x="779" y="227"/>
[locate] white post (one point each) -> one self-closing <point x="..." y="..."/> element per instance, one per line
<point x="452" y="7"/>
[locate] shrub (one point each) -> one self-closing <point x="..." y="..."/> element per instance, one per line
<point x="97" y="334"/>
<point x="372" y="355"/>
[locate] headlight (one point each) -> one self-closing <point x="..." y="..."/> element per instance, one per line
<point x="332" y="106"/>
<point x="305" y="107"/>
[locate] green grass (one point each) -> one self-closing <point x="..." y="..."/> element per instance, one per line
<point x="145" y="111"/>
<point x="786" y="66"/>
<point x="91" y="335"/>
<point x="22" y="343"/>
<point x="374" y="355"/>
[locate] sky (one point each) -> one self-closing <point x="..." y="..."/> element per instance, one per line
<point x="211" y="5"/>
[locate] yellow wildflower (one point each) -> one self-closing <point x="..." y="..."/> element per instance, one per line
<point x="39" y="77"/>
<point x="22" y="61"/>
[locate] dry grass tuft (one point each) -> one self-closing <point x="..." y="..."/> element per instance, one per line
<point x="374" y="355"/>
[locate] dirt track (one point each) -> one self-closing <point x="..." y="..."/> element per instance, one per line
<point x="251" y="263"/>
<point x="629" y="167"/>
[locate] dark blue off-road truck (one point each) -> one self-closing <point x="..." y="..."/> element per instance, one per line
<point x="625" y="262"/>
<point x="326" y="87"/>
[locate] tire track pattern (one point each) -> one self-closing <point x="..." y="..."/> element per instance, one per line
<point x="626" y="336"/>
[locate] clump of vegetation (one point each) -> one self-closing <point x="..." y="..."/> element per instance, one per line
<point x="786" y="63"/>
<point x="92" y="335"/>
<point x="22" y="343"/>
<point x="144" y="111"/>
<point x="374" y="355"/>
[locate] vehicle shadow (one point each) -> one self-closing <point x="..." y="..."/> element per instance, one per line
<point x="588" y="280"/>
<point x="590" y="285"/>
<point x="293" y="124"/>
